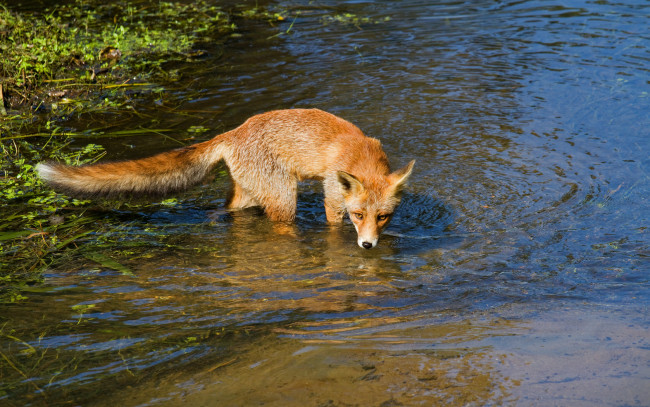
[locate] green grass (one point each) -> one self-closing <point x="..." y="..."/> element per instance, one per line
<point x="32" y="229"/>
<point x="73" y="46"/>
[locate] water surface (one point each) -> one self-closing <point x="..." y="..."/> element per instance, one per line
<point x="515" y="273"/>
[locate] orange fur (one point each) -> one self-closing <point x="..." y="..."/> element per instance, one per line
<point x="266" y="157"/>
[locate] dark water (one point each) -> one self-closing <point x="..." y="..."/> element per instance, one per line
<point x="516" y="271"/>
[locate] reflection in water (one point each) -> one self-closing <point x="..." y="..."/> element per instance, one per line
<point x="395" y="367"/>
<point x="528" y="121"/>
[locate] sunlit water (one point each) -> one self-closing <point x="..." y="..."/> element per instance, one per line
<point x="515" y="273"/>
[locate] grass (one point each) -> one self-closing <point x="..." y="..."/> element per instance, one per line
<point x="71" y="47"/>
<point x="33" y="231"/>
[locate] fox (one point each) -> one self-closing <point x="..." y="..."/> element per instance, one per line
<point x="266" y="157"/>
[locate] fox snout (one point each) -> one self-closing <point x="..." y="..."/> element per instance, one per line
<point x="369" y="226"/>
<point x="367" y="243"/>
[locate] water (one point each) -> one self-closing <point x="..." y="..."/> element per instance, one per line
<point x="515" y="273"/>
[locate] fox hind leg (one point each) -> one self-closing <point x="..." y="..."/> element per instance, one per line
<point x="274" y="190"/>
<point x="238" y="198"/>
<point x="280" y="199"/>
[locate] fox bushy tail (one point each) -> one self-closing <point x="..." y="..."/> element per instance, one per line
<point x="168" y="172"/>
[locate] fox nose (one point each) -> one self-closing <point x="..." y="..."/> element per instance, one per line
<point x="366" y="245"/>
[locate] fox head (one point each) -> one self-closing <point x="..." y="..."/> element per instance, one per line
<point x="371" y="203"/>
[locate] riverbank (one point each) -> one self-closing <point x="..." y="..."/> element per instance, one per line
<point x="71" y="51"/>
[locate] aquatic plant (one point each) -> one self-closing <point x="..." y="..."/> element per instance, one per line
<point x="72" y="46"/>
<point x="352" y="19"/>
<point x="32" y="229"/>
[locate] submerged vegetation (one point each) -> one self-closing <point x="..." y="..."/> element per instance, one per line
<point x="32" y="230"/>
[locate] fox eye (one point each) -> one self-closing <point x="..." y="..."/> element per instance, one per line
<point x="358" y="215"/>
<point x="382" y="217"/>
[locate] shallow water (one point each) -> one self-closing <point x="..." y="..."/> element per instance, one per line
<point x="515" y="272"/>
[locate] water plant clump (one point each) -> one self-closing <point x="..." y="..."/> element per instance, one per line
<point x="67" y="48"/>
<point x="33" y="227"/>
<point x="352" y="19"/>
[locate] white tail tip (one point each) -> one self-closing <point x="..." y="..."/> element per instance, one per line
<point x="45" y="171"/>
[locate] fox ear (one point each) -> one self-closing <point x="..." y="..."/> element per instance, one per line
<point x="350" y="185"/>
<point x="398" y="178"/>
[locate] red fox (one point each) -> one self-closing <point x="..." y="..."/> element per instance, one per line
<point x="266" y="157"/>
